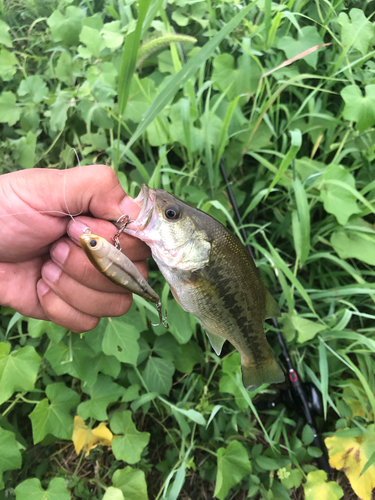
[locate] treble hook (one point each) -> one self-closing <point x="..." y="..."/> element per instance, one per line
<point x="162" y="321"/>
<point x="124" y="220"/>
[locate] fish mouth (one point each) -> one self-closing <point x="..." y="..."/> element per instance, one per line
<point x="145" y="200"/>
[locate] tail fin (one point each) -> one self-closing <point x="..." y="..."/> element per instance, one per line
<point x="254" y="375"/>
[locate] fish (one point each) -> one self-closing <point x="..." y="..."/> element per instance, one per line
<point x="211" y="275"/>
<point x="116" y="266"/>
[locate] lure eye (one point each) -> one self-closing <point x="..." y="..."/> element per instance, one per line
<point x="92" y="243"/>
<point x="172" y="213"/>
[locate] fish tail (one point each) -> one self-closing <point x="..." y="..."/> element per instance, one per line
<point x="268" y="372"/>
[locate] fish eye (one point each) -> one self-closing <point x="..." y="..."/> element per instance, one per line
<point x="172" y="213"/>
<point x="92" y="243"/>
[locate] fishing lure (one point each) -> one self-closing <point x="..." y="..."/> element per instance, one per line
<point x="118" y="268"/>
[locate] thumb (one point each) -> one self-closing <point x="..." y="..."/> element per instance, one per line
<point x="91" y="189"/>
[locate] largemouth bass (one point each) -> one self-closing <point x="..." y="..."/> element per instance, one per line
<point x="116" y="266"/>
<point x="212" y="275"/>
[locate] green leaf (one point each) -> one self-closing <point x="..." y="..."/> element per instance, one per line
<point x="337" y="200"/>
<point x="241" y="80"/>
<point x="194" y="415"/>
<point x="9" y="111"/>
<point x="131" y="482"/>
<point x="187" y="356"/>
<point x="34" y="88"/>
<point x="121" y="341"/>
<point x="54" y="418"/>
<point x="8" y="65"/>
<point x="315" y="452"/>
<point x="317" y="486"/>
<point x="4" y="35"/>
<point x="112" y="36"/>
<point x="37" y="327"/>
<point x="31" y="489"/>
<point x="141" y="94"/>
<point x="306" y="328"/>
<point x="10" y="456"/>
<point x="66" y="28"/>
<point x="67" y="69"/>
<point x="307" y="435"/>
<point x="358" y="107"/>
<point x="102" y="393"/>
<point x="25" y="148"/>
<point x="74" y="355"/>
<point x="308" y="37"/>
<point x="290" y="478"/>
<point x="128" y="447"/>
<point x="357" y="32"/>
<point x="349" y="243"/>
<point x="18" y="370"/>
<point x="59" y="110"/>
<point x="233" y="465"/>
<point x="93" y="40"/>
<point x="231" y="368"/>
<point x="179" y="322"/>
<point x="267" y="463"/>
<point x="158" y="375"/>
<point x="113" y="494"/>
<point x="166" y="346"/>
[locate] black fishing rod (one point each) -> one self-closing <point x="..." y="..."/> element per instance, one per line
<point x="298" y="389"/>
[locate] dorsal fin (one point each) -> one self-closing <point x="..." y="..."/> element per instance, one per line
<point x="272" y="308"/>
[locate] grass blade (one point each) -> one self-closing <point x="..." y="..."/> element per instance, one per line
<point x="324" y="376"/>
<point x="129" y="61"/>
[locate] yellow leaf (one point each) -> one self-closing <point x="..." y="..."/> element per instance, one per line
<point x="86" y="438"/>
<point x="351" y="398"/>
<point x="350" y="454"/>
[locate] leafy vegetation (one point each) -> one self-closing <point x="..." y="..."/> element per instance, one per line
<point x="285" y="92"/>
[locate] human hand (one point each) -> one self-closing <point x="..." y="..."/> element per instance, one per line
<point x="43" y="273"/>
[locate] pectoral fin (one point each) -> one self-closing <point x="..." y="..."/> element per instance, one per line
<point x="216" y="342"/>
<point x="272" y="309"/>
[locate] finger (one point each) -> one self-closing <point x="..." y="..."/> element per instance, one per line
<point x="74" y="262"/>
<point x="82" y="298"/>
<point x="91" y="189"/>
<point x="62" y="313"/>
<point x="18" y="287"/>
<point x="131" y="247"/>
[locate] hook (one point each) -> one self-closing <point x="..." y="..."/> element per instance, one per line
<point x="162" y="321"/>
<point x="124" y="220"/>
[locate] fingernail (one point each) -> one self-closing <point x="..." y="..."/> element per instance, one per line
<point x="128" y="207"/>
<point x="42" y="288"/>
<point x="75" y="229"/>
<point x="60" y="252"/>
<point x="51" y="272"/>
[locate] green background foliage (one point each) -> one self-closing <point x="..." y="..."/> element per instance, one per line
<point x="293" y="121"/>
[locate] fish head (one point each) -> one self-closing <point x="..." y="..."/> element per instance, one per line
<point x="171" y="228"/>
<point x="93" y="244"/>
